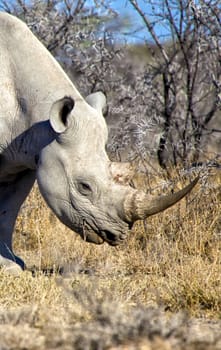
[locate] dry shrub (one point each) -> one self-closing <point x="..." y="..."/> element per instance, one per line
<point x="107" y="326"/>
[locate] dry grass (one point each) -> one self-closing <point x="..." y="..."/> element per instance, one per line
<point x="160" y="290"/>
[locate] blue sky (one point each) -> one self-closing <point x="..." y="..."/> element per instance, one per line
<point x="126" y="10"/>
<point x="139" y="32"/>
<point x="136" y="31"/>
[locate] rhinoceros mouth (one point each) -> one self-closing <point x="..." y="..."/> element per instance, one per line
<point x="112" y="238"/>
<point x="89" y="235"/>
<point x="99" y="236"/>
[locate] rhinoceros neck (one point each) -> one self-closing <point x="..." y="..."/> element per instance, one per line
<point x="24" y="150"/>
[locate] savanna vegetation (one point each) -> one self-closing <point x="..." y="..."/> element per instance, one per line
<point x="161" y="288"/>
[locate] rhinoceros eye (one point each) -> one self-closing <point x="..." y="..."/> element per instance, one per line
<point x="84" y="188"/>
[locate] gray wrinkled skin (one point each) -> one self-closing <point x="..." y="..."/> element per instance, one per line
<point x="49" y="132"/>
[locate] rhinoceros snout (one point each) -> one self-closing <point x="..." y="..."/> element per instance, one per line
<point x="113" y="238"/>
<point x="112" y="235"/>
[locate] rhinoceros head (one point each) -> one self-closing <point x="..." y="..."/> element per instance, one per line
<point x="82" y="186"/>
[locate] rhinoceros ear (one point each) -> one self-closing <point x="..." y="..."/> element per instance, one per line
<point x="59" y="113"/>
<point x="98" y="101"/>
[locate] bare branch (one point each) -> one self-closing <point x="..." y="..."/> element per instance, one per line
<point x="150" y="29"/>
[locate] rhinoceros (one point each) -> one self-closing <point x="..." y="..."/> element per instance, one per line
<point x="50" y="133"/>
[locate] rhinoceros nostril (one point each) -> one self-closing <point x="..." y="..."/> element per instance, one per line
<point x="110" y="236"/>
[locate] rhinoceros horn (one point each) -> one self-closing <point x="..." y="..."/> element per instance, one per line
<point x="138" y="205"/>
